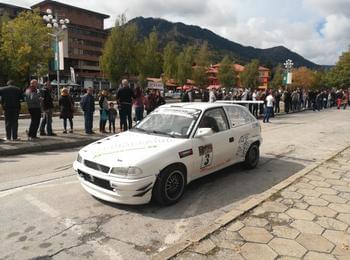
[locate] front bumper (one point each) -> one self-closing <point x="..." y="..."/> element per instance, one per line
<point x="113" y="189"/>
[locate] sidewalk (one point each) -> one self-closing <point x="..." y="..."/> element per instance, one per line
<point x="47" y="143"/>
<point x="308" y="219"/>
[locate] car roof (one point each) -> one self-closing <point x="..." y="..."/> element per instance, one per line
<point x="197" y="105"/>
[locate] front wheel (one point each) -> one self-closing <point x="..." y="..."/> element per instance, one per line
<point x="252" y="156"/>
<point x="170" y="185"/>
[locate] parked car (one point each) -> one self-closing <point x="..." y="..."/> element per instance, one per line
<point x="174" y="145"/>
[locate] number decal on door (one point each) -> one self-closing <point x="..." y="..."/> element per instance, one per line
<point x="206" y="152"/>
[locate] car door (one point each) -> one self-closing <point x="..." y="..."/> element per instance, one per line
<point x="213" y="151"/>
<point x="240" y="121"/>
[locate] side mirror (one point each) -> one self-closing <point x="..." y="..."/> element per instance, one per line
<point x="201" y="132"/>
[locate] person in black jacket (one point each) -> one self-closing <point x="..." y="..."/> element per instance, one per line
<point x="66" y="104"/>
<point x="124" y="98"/>
<point x="11" y="103"/>
<point x="47" y="106"/>
<point x="87" y="104"/>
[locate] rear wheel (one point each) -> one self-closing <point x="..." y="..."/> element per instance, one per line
<point x="170" y="185"/>
<point x="252" y="156"/>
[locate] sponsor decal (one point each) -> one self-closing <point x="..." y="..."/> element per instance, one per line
<point x="185" y="153"/>
<point x="243" y="145"/>
<point x="206" y="152"/>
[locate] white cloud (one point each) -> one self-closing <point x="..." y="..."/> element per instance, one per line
<point x="319" y="30"/>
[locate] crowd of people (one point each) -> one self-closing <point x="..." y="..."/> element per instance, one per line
<point x="40" y="105"/>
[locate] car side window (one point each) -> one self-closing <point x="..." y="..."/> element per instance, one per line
<point x="238" y="116"/>
<point x="214" y="119"/>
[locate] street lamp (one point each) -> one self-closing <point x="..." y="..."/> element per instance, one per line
<point x="288" y="65"/>
<point x="58" y="27"/>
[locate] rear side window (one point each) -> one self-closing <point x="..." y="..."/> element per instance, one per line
<point x="238" y="116"/>
<point x="215" y="119"/>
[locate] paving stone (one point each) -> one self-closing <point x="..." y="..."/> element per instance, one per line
<point x="334" y="182"/>
<point x="341" y="208"/>
<point x="331" y="223"/>
<point x="285" y="232"/>
<point x="342" y="252"/>
<point x="279" y="219"/>
<point x="315" y="201"/>
<point x="301" y="205"/>
<point x="315" y="177"/>
<point x="291" y="195"/>
<point x="326" y="191"/>
<point x="311" y="193"/>
<point x="320" y="184"/>
<point x="255" y="222"/>
<point x="308" y="227"/>
<point x="344" y="195"/>
<point x="189" y="256"/>
<point x="303" y="185"/>
<point x="287" y="247"/>
<point x="328" y="175"/>
<point x="322" y="211"/>
<point x="318" y="256"/>
<point x="337" y="237"/>
<point x="341" y="188"/>
<point x="227" y="244"/>
<point x="255" y="234"/>
<point x="344" y="218"/>
<point x="225" y="254"/>
<point x="237" y="225"/>
<point x="315" y="243"/>
<point x="287" y="258"/>
<point x="257" y="251"/>
<point x="204" y="247"/>
<point x="273" y="206"/>
<point x="333" y="198"/>
<point x="258" y="211"/>
<point x="300" y="214"/>
<point x="288" y="202"/>
<point x="226" y="235"/>
<point x="291" y="188"/>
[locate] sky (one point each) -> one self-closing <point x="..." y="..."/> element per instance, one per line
<point x="319" y="30"/>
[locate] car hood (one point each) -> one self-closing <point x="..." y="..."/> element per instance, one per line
<point x="128" y="148"/>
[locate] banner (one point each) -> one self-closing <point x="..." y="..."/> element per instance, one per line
<point x="72" y="75"/>
<point x="61" y="55"/>
<point x="155" y="85"/>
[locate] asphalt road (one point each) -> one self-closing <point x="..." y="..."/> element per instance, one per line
<point x="45" y="212"/>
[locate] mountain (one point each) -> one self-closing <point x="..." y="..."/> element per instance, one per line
<point x="190" y="35"/>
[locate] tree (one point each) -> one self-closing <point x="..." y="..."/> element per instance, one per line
<point x="119" y="57"/>
<point x="184" y="65"/>
<point x="303" y="78"/>
<point x="169" y="61"/>
<point x="277" y="79"/>
<point x="3" y="61"/>
<point x="149" y="59"/>
<point x="199" y="73"/>
<point x="250" y="75"/>
<point x="226" y="74"/>
<point x="26" y="46"/>
<point x="339" y="76"/>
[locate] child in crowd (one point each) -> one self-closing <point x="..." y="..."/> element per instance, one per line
<point x="112" y="116"/>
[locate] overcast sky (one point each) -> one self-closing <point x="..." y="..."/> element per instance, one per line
<point x="319" y="30"/>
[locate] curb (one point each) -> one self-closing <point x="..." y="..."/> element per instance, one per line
<point x="240" y="210"/>
<point x="47" y="147"/>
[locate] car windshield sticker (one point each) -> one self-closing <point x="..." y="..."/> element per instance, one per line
<point x="206" y="153"/>
<point x="243" y="145"/>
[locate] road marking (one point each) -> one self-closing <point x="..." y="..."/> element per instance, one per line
<point x="75" y="227"/>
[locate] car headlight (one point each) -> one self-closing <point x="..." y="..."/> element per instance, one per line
<point x="127" y="172"/>
<point x="79" y="158"/>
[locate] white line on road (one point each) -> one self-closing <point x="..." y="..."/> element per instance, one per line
<point x="74" y="226"/>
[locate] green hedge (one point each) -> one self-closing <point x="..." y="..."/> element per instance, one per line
<point x="24" y="108"/>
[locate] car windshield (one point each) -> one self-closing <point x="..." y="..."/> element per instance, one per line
<point x="173" y="122"/>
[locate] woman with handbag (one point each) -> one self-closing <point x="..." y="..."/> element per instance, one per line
<point x="66" y="104"/>
<point x="103" y="103"/>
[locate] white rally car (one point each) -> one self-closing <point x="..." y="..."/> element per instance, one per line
<point x="171" y="147"/>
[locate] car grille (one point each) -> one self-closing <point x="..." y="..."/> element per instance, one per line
<point x="95" y="180"/>
<point x="96" y="166"/>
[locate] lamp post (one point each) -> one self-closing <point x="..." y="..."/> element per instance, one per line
<point x="58" y="27"/>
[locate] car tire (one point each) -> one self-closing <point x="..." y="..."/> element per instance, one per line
<point x="252" y="156"/>
<point x="170" y="185"/>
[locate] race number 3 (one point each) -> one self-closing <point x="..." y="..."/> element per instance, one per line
<point x="206" y="152"/>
